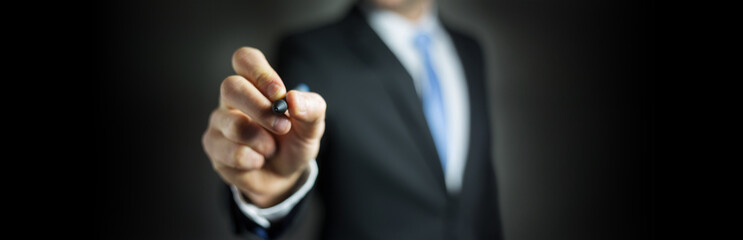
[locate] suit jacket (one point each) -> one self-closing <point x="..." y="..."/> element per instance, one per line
<point x="380" y="176"/>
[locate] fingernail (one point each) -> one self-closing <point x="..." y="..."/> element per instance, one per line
<point x="273" y="91"/>
<point x="303" y="105"/>
<point x="280" y="124"/>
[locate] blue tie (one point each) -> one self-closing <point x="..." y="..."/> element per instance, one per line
<point x="433" y="101"/>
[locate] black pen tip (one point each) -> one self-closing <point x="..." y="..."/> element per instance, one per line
<point x="279" y="106"/>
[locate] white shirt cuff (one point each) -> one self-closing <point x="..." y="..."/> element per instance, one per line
<point x="262" y="216"/>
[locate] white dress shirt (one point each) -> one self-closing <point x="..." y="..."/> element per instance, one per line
<point x="398" y="34"/>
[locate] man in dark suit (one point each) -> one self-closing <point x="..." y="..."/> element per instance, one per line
<point x="402" y="152"/>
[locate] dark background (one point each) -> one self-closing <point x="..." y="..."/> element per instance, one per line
<point x="570" y="81"/>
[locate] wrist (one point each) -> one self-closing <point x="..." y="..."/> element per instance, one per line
<point x="269" y="199"/>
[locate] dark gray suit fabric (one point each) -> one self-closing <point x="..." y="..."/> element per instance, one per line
<point x="380" y="176"/>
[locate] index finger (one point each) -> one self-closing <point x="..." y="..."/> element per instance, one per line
<point x="252" y="65"/>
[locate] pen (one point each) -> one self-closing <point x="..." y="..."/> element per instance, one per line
<point x="280" y="106"/>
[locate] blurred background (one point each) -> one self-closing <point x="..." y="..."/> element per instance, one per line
<point x="571" y="86"/>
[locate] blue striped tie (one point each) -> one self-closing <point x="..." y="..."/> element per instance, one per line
<point x="433" y="101"/>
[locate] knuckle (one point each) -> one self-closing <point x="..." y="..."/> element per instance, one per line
<point x="250" y="62"/>
<point x="237" y="157"/>
<point x="245" y="158"/>
<point x="319" y="102"/>
<point x="230" y="85"/>
<point x="263" y="78"/>
<point x="213" y="119"/>
<point x="246" y="57"/>
<point x="205" y="139"/>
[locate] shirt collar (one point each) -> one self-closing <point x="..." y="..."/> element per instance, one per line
<point x="393" y="23"/>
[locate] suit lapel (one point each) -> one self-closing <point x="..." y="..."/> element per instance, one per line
<point x="399" y="86"/>
<point x="473" y="71"/>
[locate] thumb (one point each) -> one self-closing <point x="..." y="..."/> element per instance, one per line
<point x="307" y="111"/>
<point x="302" y="143"/>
